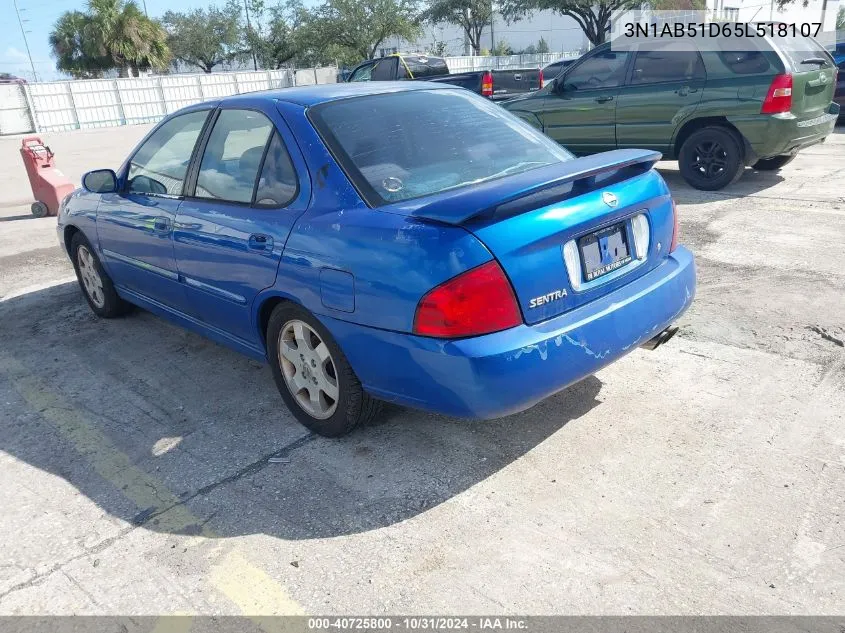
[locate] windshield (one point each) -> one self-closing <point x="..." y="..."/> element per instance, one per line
<point x="405" y="145"/>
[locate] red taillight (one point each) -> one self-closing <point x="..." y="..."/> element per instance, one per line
<point x="487" y="84"/>
<point x="479" y="301"/>
<point x="540" y="78"/>
<point x="779" y="97"/>
<point x="674" y="243"/>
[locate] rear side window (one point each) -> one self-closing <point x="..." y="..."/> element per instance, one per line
<point x="405" y="145"/>
<point x="233" y="155"/>
<point x="422" y="67"/>
<point x="675" y="61"/>
<point x="384" y="69"/>
<point x="603" y="70"/>
<point x="745" y="62"/>
<point x="278" y="184"/>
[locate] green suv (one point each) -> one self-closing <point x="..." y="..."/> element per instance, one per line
<point x="713" y="112"/>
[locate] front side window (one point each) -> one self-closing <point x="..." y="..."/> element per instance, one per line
<point x="405" y="145"/>
<point x="675" y="61"/>
<point x="233" y="155"/>
<point x="364" y="73"/>
<point x="603" y="70"/>
<point x="161" y="163"/>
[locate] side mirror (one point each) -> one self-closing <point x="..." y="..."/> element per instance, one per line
<point x="100" y="181"/>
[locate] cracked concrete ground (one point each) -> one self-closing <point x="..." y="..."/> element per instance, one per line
<point x="705" y="477"/>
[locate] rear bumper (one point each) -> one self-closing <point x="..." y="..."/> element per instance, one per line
<point x="774" y="135"/>
<point x="506" y="372"/>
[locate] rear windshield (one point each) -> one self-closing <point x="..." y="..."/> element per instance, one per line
<point x="405" y="145"/>
<point x="804" y="53"/>
<point x="422" y="67"/>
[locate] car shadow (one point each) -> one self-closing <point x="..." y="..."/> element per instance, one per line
<point x="11" y="218"/>
<point x="155" y="424"/>
<point x="751" y="182"/>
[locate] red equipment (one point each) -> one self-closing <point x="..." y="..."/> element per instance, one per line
<point x="49" y="185"/>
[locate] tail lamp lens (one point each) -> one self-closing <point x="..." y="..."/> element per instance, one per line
<point x="779" y="97"/>
<point x="479" y="301"/>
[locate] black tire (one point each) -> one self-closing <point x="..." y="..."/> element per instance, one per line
<point x="106" y="303"/>
<point x="711" y="158"/>
<point x="774" y="163"/>
<point x="353" y="405"/>
<point x="39" y="209"/>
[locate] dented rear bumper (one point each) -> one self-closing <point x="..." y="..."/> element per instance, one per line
<point x="506" y="372"/>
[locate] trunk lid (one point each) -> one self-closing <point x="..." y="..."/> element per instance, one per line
<point x="530" y="220"/>
<point x="813" y="77"/>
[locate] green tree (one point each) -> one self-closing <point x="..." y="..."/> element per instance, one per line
<point x="592" y="16"/>
<point x="471" y="15"/>
<point x="542" y="46"/>
<point x="502" y="48"/>
<point x="275" y="32"/>
<point x="840" y="19"/>
<point x="359" y="27"/>
<point x="74" y="46"/>
<point x="205" y="38"/>
<point x="111" y="34"/>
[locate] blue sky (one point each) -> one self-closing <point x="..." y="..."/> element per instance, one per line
<point x="41" y="15"/>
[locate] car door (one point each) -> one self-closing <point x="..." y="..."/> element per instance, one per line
<point x="135" y="225"/>
<point x="580" y="110"/>
<point x="665" y="85"/>
<point x="245" y="195"/>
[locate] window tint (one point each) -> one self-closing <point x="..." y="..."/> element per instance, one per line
<point x="456" y="139"/>
<point x="278" y="183"/>
<point x="675" y="61"/>
<point x="364" y="73"/>
<point x="160" y="164"/>
<point x="423" y="67"/>
<point x="232" y="157"/>
<point x="745" y="62"/>
<point x="383" y="70"/>
<point x="604" y="70"/>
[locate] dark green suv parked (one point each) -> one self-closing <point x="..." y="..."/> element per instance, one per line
<point x="713" y="112"/>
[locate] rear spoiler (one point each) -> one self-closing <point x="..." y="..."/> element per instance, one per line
<point x="460" y="205"/>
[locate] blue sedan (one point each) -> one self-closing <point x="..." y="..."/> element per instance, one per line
<point x="399" y="242"/>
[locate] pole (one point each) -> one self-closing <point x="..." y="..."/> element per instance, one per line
<point x="145" y="8"/>
<point x="249" y="30"/>
<point x="492" y="34"/>
<point x="25" y="42"/>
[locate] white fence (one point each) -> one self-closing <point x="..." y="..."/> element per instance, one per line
<point x="72" y="105"/>
<point x="471" y="63"/>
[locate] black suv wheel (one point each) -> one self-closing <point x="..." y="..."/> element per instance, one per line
<point x="711" y="158"/>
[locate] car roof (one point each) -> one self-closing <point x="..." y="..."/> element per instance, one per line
<point x="312" y="95"/>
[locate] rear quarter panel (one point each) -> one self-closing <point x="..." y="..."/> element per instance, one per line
<point x="389" y="260"/>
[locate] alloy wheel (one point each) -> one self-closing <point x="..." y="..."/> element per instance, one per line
<point x="308" y="369"/>
<point x="91" y="279"/>
<point x="709" y="159"/>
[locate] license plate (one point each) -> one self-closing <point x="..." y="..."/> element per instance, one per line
<point x="604" y="251"/>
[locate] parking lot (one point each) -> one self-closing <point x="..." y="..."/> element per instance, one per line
<point x="147" y="470"/>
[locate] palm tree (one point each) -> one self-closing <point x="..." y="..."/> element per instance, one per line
<point x="112" y="34"/>
<point x="75" y="47"/>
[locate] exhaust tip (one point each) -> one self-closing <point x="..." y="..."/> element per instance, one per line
<point x="661" y="338"/>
